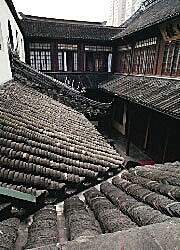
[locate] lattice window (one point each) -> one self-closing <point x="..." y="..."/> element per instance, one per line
<point x="148" y="42"/>
<point x="67" y="57"/>
<point x="63" y="46"/>
<point x="171" y="59"/>
<point x="144" y="59"/>
<point x="40" y="46"/>
<point x="125" y="61"/>
<point x="40" y="56"/>
<point x="176" y="60"/>
<point x="98" y="48"/>
<point x="97" y="57"/>
<point x="98" y="65"/>
<point x="60" y="60"/>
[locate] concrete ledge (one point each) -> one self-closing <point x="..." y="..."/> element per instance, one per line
<point x="162" y="236"/>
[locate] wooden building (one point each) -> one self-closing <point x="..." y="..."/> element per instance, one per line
<point x="147" y="94"/>
<point x="54" y="45"/>
<point x="143" y="57"/>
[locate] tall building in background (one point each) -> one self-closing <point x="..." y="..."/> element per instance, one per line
<point x="121" y="10"/>
<point x="117" y="12"/>
<point x="131" y="7"/>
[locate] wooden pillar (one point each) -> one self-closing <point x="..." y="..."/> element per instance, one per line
<point x="54" y="57"/>
<point x="111" y="118"/>
<point x="147" y="130"/>
<point x="114" y="59"/>
<point x="113" y="108"/>
<point x="27" y="51"/>
<point x="160" y="57"/>
<point x="80" y="57"/>
<point x="156" y="59"/>
<point x="132" y="58"/>
<point x="130" y="120"/>
<point x="168" y="134"/>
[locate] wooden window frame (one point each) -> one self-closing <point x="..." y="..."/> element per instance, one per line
<point x="144" y="60"/>
<point x="68" y="48"/>
<point x="40" y="56"/>
<point x="171" y="59"/>
<point x="60" y="62"/>
<point x="125" y="61"/>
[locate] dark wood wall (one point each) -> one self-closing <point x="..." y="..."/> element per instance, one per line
<point x="164" y="54"/>
<point x="139" y="125"/>
<point x="84" y="58"/>
<point x="155" y="133"/>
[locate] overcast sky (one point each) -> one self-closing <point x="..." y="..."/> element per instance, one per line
<point x="87" y="10"/>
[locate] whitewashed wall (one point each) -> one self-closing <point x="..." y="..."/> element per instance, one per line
<point x="5" y="15"/>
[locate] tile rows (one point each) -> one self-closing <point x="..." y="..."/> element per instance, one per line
<point x="47" y="145"/>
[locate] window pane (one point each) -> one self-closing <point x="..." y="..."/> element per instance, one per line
<point x="98" y="48"/>
<point x="48" y="60"/>
<point x="62" y="46"/>
<point x="60" y="61"/>
<point x="176" y="59"/>
<point x="43" y="60"/>
<point x="40" y="56"/>
<point x="32" y="59"/>
<point x="168" y="59"/>
<point x="75" y="61"/>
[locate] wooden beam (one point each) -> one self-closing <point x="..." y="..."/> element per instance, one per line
<point x="156" y="59"/>
<point x="80" y="56"/>
<point x="147" y="130"/>
<point x="130" y="116"/>
<point x="160" y="57"/>
<point x="168" y="134"/>
<point x="54" y="56"/>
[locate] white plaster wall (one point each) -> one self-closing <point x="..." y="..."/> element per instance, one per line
<point x="5" y="15"/>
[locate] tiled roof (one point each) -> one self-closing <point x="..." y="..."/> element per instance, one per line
<point x="8" y="231"/>
<point x="129" y="202"/>
<point x="78" y="220"/>
<point x="135" y="204"/>
<point x="43" y="231"/>
<point x="58" y="90"/>
<point x="136" y="198"/>
<point x="46" y="145"/>
<point x="161" y="94"/>
<point x="156" y="14"/>
<point x="109" y="217"/>
<point x="24" y="16"/>
<point x="56" y="30"/>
